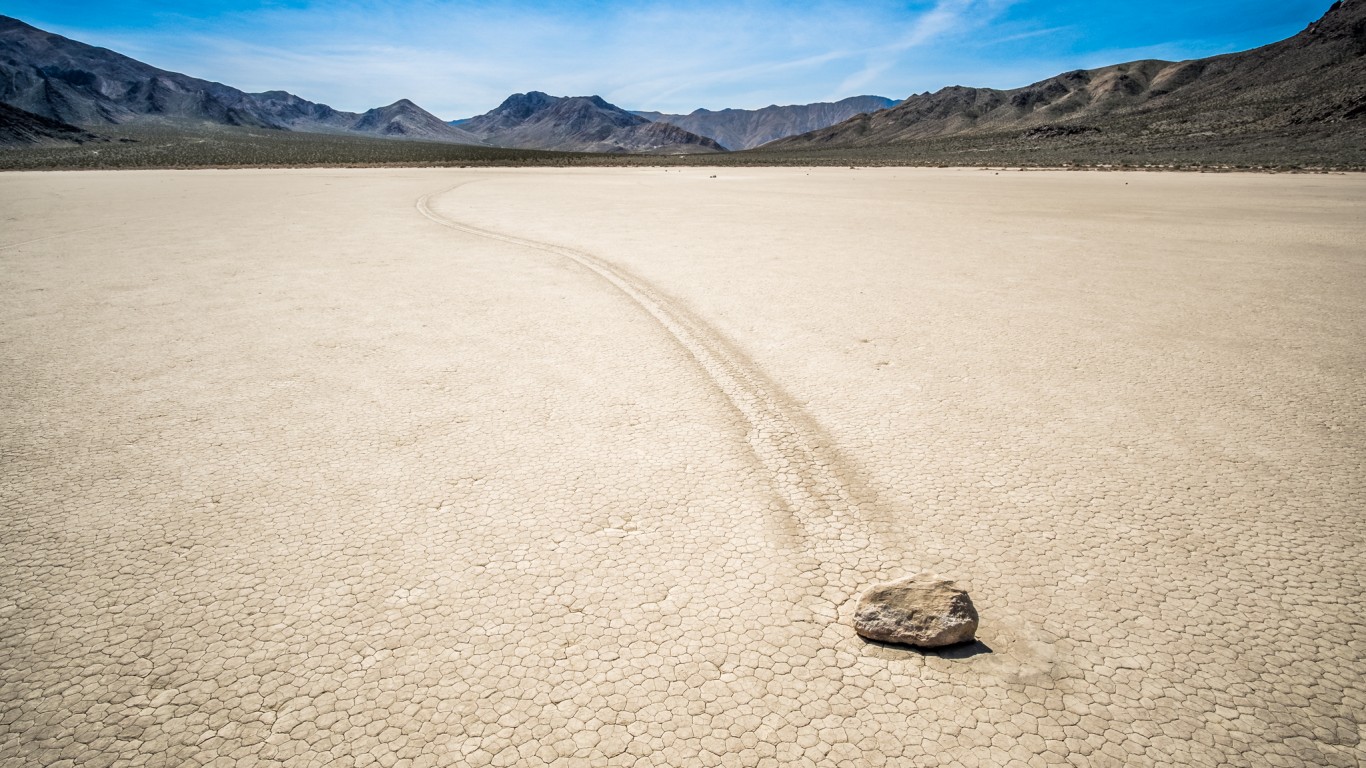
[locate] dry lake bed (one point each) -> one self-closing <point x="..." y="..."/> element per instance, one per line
<point x="511" y="467"/>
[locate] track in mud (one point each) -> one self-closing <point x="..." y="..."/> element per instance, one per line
<point x="804" y="471"/>
<point x="830" y="521"/>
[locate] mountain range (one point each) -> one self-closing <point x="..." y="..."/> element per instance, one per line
<point x="1301" y="101"/>
<point x="1310" y="87"/>
<point x="749" y="128"/>
<point x="55" y="78"/>
<point x="60" y="79"/>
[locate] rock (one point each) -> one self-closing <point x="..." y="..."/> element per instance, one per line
<point x="922" y="610"/>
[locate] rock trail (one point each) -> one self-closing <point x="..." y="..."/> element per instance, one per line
<point x="815" y="493"/>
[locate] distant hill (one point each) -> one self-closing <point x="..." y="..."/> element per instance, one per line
<point x="18" y="127"/>
<point x="1311" y="86"/>
<point x="53" y="77"/>
<point x="748" y="128"/>
<point x="579" y="124"/>
<point x="405" y="119"/>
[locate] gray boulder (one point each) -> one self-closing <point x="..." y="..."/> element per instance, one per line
<point x="922" y="610"/>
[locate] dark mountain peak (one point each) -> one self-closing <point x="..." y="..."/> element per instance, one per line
<point x="1345" y="22"/>
<point x="398" y="108"/>
<point x="593" y="108"/>
<point x="407" y="120"/>
<point x="1343" y="13"/>
<point x="8" y="24"/>
<point x="522" y="105"/>
<point x="401" y="107"/>
<point x="536" y="120"/>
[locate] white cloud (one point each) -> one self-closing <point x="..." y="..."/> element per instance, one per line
<point x="946" y="19"/>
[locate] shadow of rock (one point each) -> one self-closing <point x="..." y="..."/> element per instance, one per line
<point x="1017" y="653"/>
<point x="957" y="651"/>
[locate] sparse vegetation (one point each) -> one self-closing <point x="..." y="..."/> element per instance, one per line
<point x="221" y="147"/>
<point x="225" y="147"/>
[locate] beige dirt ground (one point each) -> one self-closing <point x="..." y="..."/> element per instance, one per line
<point x="525" y="467"/>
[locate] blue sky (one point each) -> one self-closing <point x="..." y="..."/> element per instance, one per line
<point x="459" y="58"/>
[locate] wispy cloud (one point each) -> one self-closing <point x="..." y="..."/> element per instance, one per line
<point x="947" y="18"/>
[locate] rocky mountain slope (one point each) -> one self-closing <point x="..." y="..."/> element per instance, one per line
<point x="18" y="127"/>
<point x="61" y="79"/>
<point x="1312" y="85"/>
<point x="579" y="124"/>
<point x="748" y="128"/>
<point x="405" y="119"/>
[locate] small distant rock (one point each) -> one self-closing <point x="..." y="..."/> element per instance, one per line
<point x="922" y="610"/>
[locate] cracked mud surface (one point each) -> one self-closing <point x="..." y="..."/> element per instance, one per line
<point x="413" y="468"/>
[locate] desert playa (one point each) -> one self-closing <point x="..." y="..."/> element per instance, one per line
<point x="416" y="468"/>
